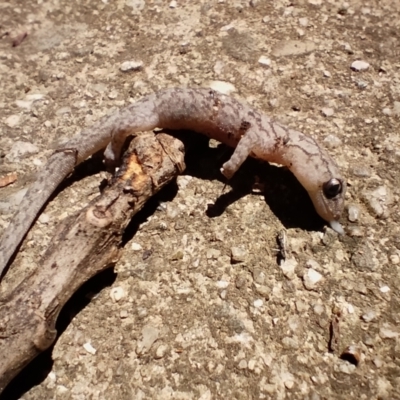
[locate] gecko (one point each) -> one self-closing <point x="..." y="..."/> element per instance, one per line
<point x="206" y="111"/>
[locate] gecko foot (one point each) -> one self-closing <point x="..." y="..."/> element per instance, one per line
<point x="226" y="172"/>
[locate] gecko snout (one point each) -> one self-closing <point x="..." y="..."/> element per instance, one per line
<point x="328" y="201"/>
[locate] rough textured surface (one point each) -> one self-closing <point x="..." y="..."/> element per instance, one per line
<point x="206" y="310"/>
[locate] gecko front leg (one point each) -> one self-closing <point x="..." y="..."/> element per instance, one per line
<point x="242" y="150"/>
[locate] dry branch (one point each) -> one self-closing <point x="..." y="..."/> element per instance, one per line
<point x="85" y="244"/>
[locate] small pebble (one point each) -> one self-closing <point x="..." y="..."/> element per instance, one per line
<point x="332" y="141"/>
<point x="359" y="65"/>
<point x="327" y="74"/>
<point x="44" y="218"/>
<point x="222" y="284"/>
<point x="259" y="276"/>
<point x="388" y="332"/>
<point x="173" y="4"/>
<point x="319" y="309"/>
<point x="117" y="293"/>
<point x="264" y="61"/>
<point x="258" y="303"/>
<point x="264" y="291"/>
<point x="238" y="254"/>
<point x="222" y="87"/>
<point x="313" y="264"/>
<point x="89" y="348"/>
<point x="384" y="289"/>
<point x="240" y="281"/>
<point x="273" y="102"/>
<point x="161" y="351"/>
<point x="288" y="268"/>
<point x="311" y="278"/>
<point x="213" y="254"/>
<point x="378" y="362"/>
<point x="379" y="200"/>
<point x="127" y="66"/>
<point x="289" y="384"/>
<point x="348" y="49"/>
<point x="327" y="112"/>
<point x="136" y="246"/>
<point x="387" y="111"/>
<point x="394" y="259"/>
<point x="362" y="84"/>
<point x="354" y="213"/>
<point x="369" y="316"/>
<point x="123" y="314"/>
<point x="113" y="95"/>
<point x="303" y="21"/>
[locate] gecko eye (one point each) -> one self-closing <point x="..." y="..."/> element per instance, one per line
<point x="332" y="188"/>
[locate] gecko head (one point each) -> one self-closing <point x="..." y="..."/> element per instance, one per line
<point x="328" y="200"/>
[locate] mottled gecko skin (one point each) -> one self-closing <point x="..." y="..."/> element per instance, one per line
<point x="202" y="110"/>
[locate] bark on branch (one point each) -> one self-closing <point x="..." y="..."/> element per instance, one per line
<point x="85" y="244"/>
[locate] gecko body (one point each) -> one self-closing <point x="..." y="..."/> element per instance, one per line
<point x="206" y="111"/>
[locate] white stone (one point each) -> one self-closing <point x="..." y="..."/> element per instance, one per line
<point x="327" y="111"/>
<point x="238" y="254"/>
<point x="350" y="309"/>
<point x="89" y="348"/>
<point x="313" y="264"/>
<point x="44" y="218"/>
<point x="311" y="278"/>
<point x="359" y="65"/>
<point x="133" y="65"/>
<point x="369" y="316"/>
<point x="354" y="213"/>
<point x="258" y="303"/>
<point x="136" y="246"/>
<point x="117" y="293"/>
<point x="288" y="268"/>
<point x="332" y="141"/>
<point x="379" y="200"/>
<point x="222" y="87"/>
<point x="263" y="60"/>
<point x="161" y="351"/>
<point x="222" y="284"/>
<point x="387" y="111"/>
<point x="303" y="21"/>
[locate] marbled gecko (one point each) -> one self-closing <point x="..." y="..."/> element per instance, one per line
<point x="202" y="110"/>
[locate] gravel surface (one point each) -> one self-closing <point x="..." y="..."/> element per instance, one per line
<point x="206" y="302"/>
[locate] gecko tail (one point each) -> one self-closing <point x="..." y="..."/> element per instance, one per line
<point x="57" y="168"/>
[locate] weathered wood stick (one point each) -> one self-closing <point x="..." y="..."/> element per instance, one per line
<point x="85" y="244"/>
